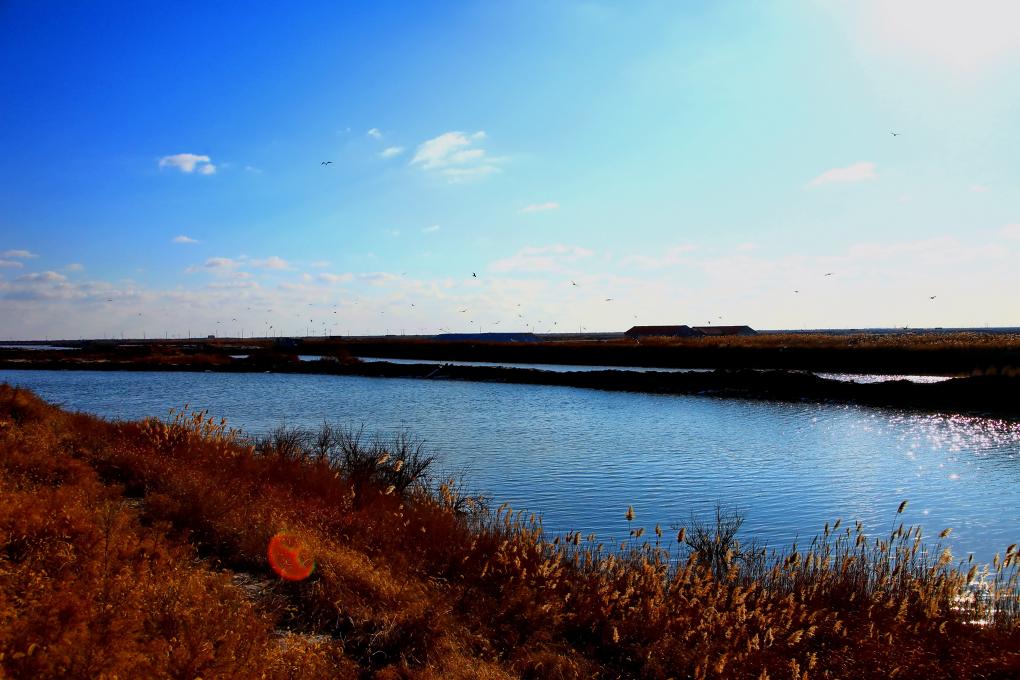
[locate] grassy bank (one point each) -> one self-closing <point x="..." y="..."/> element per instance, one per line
<point x="929" y="353"/>
<point x="140" y="550"/>
<point x="921" y="353"/>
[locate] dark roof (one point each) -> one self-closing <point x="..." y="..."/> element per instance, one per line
<point x="675" y="331"/>
<point x="725" y="330"/>
<point x="488" y="337"/>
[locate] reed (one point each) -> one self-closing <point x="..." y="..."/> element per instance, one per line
<point x="139" y="549"/>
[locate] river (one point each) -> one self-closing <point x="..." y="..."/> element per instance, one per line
<point x="579" y="457"/>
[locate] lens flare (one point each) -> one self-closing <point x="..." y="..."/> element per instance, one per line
<point x="289" y="557"/>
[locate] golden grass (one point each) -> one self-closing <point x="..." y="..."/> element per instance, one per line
<point x="139" y="550"/>
<point x="921" y="340"/>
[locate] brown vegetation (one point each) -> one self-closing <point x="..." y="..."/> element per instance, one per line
<point x="139" y="550"/>
<point x="931" y="353"/>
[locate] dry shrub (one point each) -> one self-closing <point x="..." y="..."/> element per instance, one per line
<point x="413" y="581"/>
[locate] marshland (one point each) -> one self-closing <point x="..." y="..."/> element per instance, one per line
<point x="139" y="548"/>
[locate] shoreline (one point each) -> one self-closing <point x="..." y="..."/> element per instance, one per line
<point x="985" y="396"/>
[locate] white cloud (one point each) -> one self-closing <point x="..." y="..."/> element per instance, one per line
<point x="1011" y="230"/>
<point x="391" y="151"/>
<point x="252" y="168"/>
<point x="439" y="151"/>
<point x="319" y="264"/>
<point x="979" y="188"/>
<point x="23" y="254"/>
<point x="184" y="239"/>
<point x="431" y="230"/>
<point x="43" y="276"/>
<point x="272" y="262"/>
<point x="218" y="264"/>
<point x="11" y="263"/>
<point x="374" y="133"/>
<point x="858" y="172"/>
<point x="188" y="162"/>
<point x="74" y="267"/>
<point x="335" y="278"/>
<point x="540" y="207"/>
<point x="450" y="155"/>
<point x="541" y="259"/>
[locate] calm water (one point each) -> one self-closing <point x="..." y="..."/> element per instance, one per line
<point x="580" y="457"/>
<point x="563" y="368"/>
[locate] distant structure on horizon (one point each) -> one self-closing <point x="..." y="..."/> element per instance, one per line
<point x="714" y="331"/>
<point x="687" y="331"/>
<point x="660" y="331"/>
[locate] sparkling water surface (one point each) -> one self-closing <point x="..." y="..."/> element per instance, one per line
<point x="579" y="457"/>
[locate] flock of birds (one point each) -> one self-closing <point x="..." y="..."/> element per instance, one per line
<point x="270" y="327"/>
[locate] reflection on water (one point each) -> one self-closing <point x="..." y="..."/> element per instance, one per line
<point x="580" y="457"/>
<point x="563" y="368"/>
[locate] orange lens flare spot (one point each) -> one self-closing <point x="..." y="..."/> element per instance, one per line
<point x="289" y="557"/>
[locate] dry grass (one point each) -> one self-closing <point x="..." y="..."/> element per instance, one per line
<point x="139" y="550"/>
<point x="920" y="340"/>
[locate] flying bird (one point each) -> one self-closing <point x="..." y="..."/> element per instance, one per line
<point x="932" y="297"/>
<point x="895" y="134"/>
<point x="828" y="273"/>
<point x="474" y="275"/>
<point x="572" y="283"/>
<point x="325" y="162"/>
<point x="609" y="299"/>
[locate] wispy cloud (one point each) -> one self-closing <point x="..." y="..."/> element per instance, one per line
<point x="541" y="259"/>
<point x="74" y="267"/>
<point x="188" y="163"/>
<point x="858" y="172"/>
<point x="979" y="188"/>
<point x="374" y="133"/>
<point x="1011" y="230"/>
<point x="22" y="254"/>
<point x="216" y="264"/>
<point x="431" y="229"/>
<point x="273" y="262"/>
<point x="184" y="239"/>
<point x="540" y="207"/>
<point x="11" y="264"/>
<point x="335" y="278"/>
<point x="49" y="276"/>
<point x="391" y="151"/>
<point x="455" y="155"/>
<point x="320" y="264"/>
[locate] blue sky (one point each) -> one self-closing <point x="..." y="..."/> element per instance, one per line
<point x="596" y="164"/>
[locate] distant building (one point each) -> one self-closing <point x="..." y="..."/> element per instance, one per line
<point x="716" y="331"/>
<point x="487" y="337"/>
<point x="660" y="331"/>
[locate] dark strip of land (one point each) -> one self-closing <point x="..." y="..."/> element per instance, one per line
<point x="986" y="395"/>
